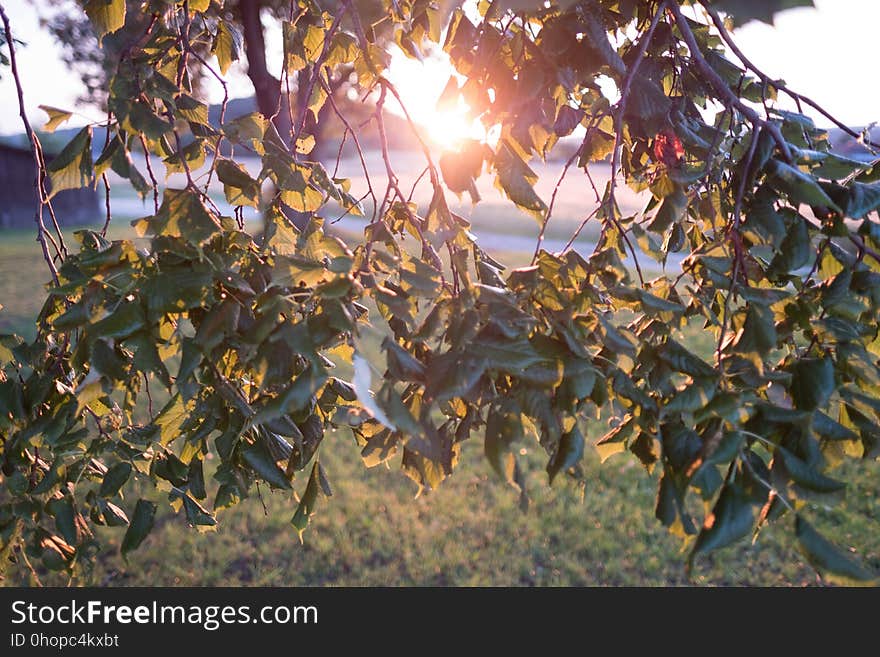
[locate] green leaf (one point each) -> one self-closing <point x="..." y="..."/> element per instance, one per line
<point x="53" y="477"/>
<point x="503" y="428"/>
<point x="323" y="481"/>
<point x="146" y="356"/>
<point x="401" y="364"/>
<point x="758" y="334"/>
<point x="72" y="167"/>
<point x="106" y="15"/>
<point x="65" y="519"/>
<point x="228" y="45"/>
<point x="795" y="250"/>
<point x="830" y="429"/>
<point x="303" y="199"/>
<point x="731" y="519"/>
<point x="598" y="145"/>
<point x="652" y="304"/>
<point x="171" y="419"/>
<point x="511" y="356"/>
<point x="239" y="187"/>
<point x="671" y="211"/>
<point x="170" y="468"/>
<point x="182" y="214"/>
<point x="826" y="557"/>
<point x="797" y="185"/>
<point x="56" y="117"/>
<point x="142" y="119"/>
<point x="743" y="11"/>
<point x="579" y="378"/>
<point x="112" y="514"/>
<point x="124" y="322"/>
<point x="862" y="198"/>
<point x="141" y="525"/>
<point x="691" y="398"/>
<point x="296" y="396"/>
<point x="176" y="290"/>
<point x="516" y="180"/>
<point x="807" y="476"/>
<point x="648" y="106"/>
<point x="295" y="271"/>
<point x="462" y="167"/>
<point x="247" y="130"/>
<point x="292" y="178"/>
<point x="832" y="166"/>
<point x="192" y="110"/>
<point x="615" y="338"/>
<point x="597" y="36"/>
<point x="220" y="322"/>
<point x="196" y="514"/>
<point x="763" y="223"/>
<point x="669" y="507"/>
<point x="568" y="454"/>
<point x="76" y="315"/>
<point x="257" y="456"/>
<point x="107" y="361"/>
<point x="307" y="502"/>
<point x="114" y="479"/>
<point x="812" y="382"/>
<point x="682" y="360"/>
<point x="343" y="50"/>
<point x="361" y="383"/>
<point x="380" y="447"/>
<point x="567" y="119"/>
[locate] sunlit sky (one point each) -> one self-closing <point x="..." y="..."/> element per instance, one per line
<point x="827" y="53"/>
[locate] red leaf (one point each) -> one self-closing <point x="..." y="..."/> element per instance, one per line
<point x="668" y="148"/>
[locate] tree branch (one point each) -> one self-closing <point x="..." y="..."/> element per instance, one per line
<point x="724" y="92"/>
<point x="728" y="39"/>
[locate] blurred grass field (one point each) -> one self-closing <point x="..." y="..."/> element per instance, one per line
<point x="372" y="532"/>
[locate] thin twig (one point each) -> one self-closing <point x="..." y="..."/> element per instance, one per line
<point x="106" y="204"/>
<point x="435" y="179"/>
<point x="184" y="40"/>
<point x="223" y="105"/>
<point x="733" y="231"/>
<point x="34" y="145"/>
<point x="150" y="173"/>
<point x="552" y="204"/>
<point x="415" y="184"/>
<point x="766" y="484"/>
<point x="625" y="88"/>
<point x="357" y="143"/>
<point x="579" y="229"/>
<point x="149" y="396"/>
<point x="104" y="176"/>
<point x="30" y="566"/>
<point x="428" y="251"/>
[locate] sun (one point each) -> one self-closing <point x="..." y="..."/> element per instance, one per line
<point x="450" y="128"/>
<point x="420" y="84"/>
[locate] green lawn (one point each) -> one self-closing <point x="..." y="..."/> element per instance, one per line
<point x="470" y="532"/>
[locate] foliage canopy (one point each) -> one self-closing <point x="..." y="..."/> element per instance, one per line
<point x="777" y="236"/>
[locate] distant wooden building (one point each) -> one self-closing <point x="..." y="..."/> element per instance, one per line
<point x="18" y="197"/>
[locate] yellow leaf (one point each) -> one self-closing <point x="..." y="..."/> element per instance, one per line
<point x="227" y="45"/>
<point x="106" y="15"/>
<point x="56" y="117"/>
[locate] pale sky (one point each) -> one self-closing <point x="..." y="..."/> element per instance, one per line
<point x="827" y="53"/>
